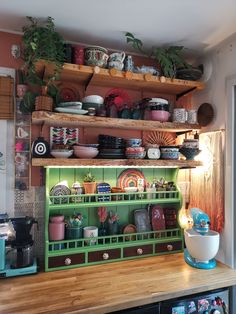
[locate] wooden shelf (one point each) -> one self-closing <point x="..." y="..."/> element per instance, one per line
<point x="88" y="75"/>
<point x="65" y="119"/>
<point x="124" y="163"/>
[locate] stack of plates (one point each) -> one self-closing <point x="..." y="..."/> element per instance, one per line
<point x="71" y="107"/>
<point x="111" y="147"/>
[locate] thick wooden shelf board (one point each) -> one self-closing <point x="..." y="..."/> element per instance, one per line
<point x="65" y="119"/>
<point x="76" y="162"/>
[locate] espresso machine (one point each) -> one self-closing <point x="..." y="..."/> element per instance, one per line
<point x="16" y="246"/>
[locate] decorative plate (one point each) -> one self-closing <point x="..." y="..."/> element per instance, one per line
<point x="158" y="218"/>
<point x="68" y="92"/>
<point x="59" y="190"/>
<point x="129" y="178"/>
<point x="142" y="220"/>
<point x="119" y="97"/>
<point x="129" y="229"/>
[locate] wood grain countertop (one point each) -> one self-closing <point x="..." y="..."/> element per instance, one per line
<point x="109" y="287"/>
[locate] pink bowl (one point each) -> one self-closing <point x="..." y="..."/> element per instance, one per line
<point x="87" y="154"/>
<point x="159" y="115"/>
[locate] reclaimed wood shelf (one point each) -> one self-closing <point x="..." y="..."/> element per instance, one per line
<point x="66" y="119"/>
<point x="124" y="163"/>
<point x="88" y="75"/>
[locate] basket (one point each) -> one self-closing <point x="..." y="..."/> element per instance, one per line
<point x="43" y="103"/>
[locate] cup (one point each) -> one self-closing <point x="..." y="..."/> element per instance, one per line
<point x="151" y="192"/>
<point x="117" y="56"/>
<point x="56" y="231"/>
<point x="90" y="232"/>
<point x="180" y="115"/>
<point x="192" y="116"/>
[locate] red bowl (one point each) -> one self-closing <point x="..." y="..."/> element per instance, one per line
<point x="159" y="115"/>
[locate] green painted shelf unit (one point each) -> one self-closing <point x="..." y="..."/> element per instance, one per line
<point x="77" y="253"/>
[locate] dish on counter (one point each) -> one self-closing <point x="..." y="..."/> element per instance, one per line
<point x="68" y="110"/>
<point x="129" y="229"/>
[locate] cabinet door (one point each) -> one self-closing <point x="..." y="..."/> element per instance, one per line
<point x="168" y="246"/>
<point x="66" y="260"/>
<point x="138" y="250"/>
<point x="103" y="255"/>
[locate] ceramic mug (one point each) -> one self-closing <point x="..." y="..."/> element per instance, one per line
<point x="192" y="116"/>
<point x="90" y="232"/>
<point x="117" y="56"/>
<point x="180" y="115"/>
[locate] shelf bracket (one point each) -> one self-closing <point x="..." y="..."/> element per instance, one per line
<point x="185" y="93"/>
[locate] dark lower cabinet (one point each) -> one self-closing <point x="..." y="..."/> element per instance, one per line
<point x="104" y="255"/>
<point x="139" y="250"/>
<point x="66" y="260"/>
<point x="168" y="246"/>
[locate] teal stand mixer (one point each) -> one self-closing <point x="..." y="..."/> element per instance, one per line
<point x="16" y="246"/>
<point x="202" y="244"/>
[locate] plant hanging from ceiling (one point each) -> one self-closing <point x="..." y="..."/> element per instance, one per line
<point x="170" y="58"/>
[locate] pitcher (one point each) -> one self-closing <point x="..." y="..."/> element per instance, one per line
<point x="117" y="56"/>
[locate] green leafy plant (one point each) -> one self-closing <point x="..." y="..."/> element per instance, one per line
<point x="41" y="41"/>
<point x="89" y="177"/>
<point x="170" y="58"/>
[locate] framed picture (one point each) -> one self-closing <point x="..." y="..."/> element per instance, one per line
<point x="60" y="135"/>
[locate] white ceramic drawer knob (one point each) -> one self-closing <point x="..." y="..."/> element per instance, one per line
<point x="67" y="261"/>
<point x="170" y="247"/>
<point x="105" y="256"/>
<point x="139" y="251"/>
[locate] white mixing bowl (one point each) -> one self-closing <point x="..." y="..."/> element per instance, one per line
<point x="202" y="247"/>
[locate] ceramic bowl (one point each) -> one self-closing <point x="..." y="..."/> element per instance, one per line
<point x="169" y="152"/>
<point x="86" y="154"/>
<point x="131" y="189"/>
<point x="62" y="153"/>
<point x="189" y="153"/>
<point x="95" y="99"/>
<point x="134" y="142"/>
<point x="159" y="115"/>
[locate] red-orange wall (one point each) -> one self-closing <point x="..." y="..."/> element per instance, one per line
<point x="6" y="41"/>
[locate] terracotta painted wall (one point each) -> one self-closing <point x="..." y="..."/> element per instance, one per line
<point x="6" y="41"/>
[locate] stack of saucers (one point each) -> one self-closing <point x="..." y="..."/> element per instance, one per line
<point x="134" y="150"/>
<point x="111" y="147"/>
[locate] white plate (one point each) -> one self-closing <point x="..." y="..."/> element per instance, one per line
<point x="70" y="104"/>
<point x="67" y="110"/>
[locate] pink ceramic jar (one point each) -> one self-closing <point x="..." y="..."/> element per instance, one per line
<point x="56" y="228"/>
<point x="159" y="115"/>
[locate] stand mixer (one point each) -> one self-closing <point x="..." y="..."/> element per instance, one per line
<point x="16" y="246"/>
<point x="202" y="244"/>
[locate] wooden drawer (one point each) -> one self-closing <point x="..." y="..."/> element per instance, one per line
<point x="138" y="250"/>
<point x="103" y="255"/>
<point x="66" y="260"/>
<point x="168" y="246"/>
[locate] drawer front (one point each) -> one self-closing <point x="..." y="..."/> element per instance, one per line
<point x="138" y="250"/>
<point x="66" y="260"/>
<point x="168" y="246"/>
<point x="104" y="255"/>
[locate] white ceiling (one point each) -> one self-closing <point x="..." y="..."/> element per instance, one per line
<point x="197" y="25"/>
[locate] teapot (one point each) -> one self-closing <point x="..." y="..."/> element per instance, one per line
<point x="117" y="56"/>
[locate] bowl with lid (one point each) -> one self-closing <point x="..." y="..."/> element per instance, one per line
<point x="160" y="115"/>
<point x="169" y="152"/>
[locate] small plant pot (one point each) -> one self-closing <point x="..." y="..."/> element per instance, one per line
<point x="90" y="187"/>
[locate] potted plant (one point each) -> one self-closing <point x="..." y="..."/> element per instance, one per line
<point x="170" y="58"/>
<point x="42" y="42"/>
<point x="89" y="183"/>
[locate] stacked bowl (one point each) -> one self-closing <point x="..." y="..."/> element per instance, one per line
<point x="159" y="109"/>
<point x="190" y="148"/>
<point x="85" y="151"/>
<point x="93" y="103"/>
<point x="111" y="147"/>
<point x="134" y="150"/>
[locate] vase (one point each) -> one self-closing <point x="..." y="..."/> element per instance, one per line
<point x="113" y="228"/>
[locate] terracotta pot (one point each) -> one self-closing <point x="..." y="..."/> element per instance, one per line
<point x="90" y="187"/>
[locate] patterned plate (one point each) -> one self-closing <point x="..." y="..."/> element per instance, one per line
<point x="59" y="190"/>
<point x="130" y="177"/>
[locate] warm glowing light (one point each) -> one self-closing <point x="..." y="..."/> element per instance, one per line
<point x="185" y="220"/>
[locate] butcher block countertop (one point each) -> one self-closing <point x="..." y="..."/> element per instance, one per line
<point x="109" y="287"/>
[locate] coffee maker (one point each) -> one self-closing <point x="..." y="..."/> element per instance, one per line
<point x="16" y="246"/>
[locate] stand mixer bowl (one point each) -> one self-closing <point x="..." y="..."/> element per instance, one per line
<point x="202" y="247"/>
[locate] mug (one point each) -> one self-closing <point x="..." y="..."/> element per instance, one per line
<point x="192" y="116"/>
<point x="180" y="115"/>
<point x="117" y="56"/>
<point x="90" y="232"/>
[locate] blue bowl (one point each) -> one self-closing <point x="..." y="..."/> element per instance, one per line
<point x="134" y="142"/>
<point x="189" y="152"/>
